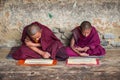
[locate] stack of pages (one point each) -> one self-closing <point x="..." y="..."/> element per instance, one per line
<point x="82" y="61"/>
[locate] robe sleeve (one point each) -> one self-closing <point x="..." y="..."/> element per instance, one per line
<point x="95" y="40"/>
<point x="76" y="34"/>
<point x="50" y="35"/>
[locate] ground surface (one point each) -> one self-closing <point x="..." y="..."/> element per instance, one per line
<point x="109" y="69"/>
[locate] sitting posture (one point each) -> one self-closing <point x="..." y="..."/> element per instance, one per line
<point x="85" y="41"/>
<point x="38" y="41"/>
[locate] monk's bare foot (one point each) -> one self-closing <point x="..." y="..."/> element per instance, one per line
<point x="84" y="54"/>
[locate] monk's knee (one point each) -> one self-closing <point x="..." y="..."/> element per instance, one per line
<point x="15" y="56"/>
<point x="62" y="54"/>
<point x="19" y="56"/>
<point x="65" y="57"/>
<point x="20" y="53"/>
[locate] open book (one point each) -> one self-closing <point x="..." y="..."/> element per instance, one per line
<point x="37" y="62"/>
<point x="82" y="61"/>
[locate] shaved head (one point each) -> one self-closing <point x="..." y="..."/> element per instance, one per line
<point x="85" y="25"/>
<point x="33" y="29"/>
<point x="85" y="28"/>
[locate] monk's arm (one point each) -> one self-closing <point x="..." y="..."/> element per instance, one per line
<point x="76" y="49"/>
<point x="28" y="42"/>
<point x="39" y="51"/>
<point x="72" y="43"/>
<point x="36" y="45"/>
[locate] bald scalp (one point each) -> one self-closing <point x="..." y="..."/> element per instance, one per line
<point x="33" y="29"/>
<point x="85" y="25"/>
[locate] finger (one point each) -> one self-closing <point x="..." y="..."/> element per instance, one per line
<point x="76" y="47"/>
<point x="49" y="55"/>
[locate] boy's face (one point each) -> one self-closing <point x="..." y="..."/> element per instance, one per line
<point x="86" y="32"/>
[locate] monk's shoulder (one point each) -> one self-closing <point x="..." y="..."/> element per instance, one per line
<point x="94" y="30"/>
<point x="46" y="28"/>
<point x="75" y="29"/>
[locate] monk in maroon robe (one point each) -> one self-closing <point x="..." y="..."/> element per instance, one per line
<point x="38" y="41"/>
<point x="85" y="41"/>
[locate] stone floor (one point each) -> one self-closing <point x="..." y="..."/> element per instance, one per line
<point x="109" y="69"/>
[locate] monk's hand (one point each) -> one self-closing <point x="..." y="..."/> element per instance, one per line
<point x="46" y="55"/>
<point x="79" y="48"/>
<point x="86" y="48"/>
<point x="84" y="54"/>
<point x="75" y="50"/>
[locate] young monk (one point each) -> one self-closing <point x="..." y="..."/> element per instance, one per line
<point x="38" y="41"/>
<point x="85" y="41"/>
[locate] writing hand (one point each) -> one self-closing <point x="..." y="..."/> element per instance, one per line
<point x="46" y="55"/>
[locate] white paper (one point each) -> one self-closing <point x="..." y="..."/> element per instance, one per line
<point x="38" y="61"/>
<point x="81" y="60"/>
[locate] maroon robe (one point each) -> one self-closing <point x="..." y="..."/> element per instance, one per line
<point x="92" y="41"/>
<point x="48" y="41"/>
